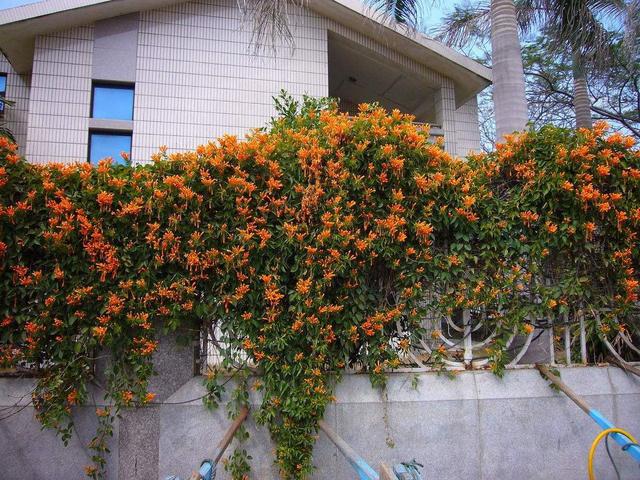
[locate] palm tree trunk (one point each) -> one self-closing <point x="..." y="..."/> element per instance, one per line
<point x="581" y="100"/>
<point x="508" y="75"/>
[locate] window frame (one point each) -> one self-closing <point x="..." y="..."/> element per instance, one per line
<point x="117" y="86"/>
<point x="3" y="93"/>
<point x="114" y="132"/>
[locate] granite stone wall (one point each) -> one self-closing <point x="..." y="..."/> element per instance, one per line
<point x="472" y="426"/>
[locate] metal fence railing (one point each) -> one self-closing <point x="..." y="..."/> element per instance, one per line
<point x="465" y="341"/>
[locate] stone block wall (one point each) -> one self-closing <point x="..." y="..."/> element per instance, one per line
<point x="474" y="425"/>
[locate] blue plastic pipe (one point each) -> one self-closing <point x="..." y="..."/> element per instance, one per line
<point x="600" y="419"/>
<point x="362" y="468"/>
<point x="623" y="441"/>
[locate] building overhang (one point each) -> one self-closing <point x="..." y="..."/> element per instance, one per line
<point x="20" y="26"/>
<point x="469" y="77"/>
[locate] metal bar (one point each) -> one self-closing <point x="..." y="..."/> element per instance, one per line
<point x="583" y="340"/>
<point x="365" y="472"/>
<point x="567" y="339"/>
<point x="468" y="341"/>
<point x="523" y="349"/>
<point x="600" y="419"/>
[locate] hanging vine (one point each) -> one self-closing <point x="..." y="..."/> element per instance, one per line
<point x="311" y="245"/>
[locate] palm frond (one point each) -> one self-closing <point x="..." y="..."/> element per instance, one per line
<point x="608" y="8"/>
<point x="5" y="132"/>
<point x="530" y="15"/>
<point x="579" y="25"/>
<point x="631" y="40"/>
<point x="271" y="22"/>
<point x="464" y="24"/>
<point x="405" y="12"/>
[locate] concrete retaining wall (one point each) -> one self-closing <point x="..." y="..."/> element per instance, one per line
<point x="474" y="426"/>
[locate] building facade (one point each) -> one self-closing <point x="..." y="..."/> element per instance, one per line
<point x="91" y="77"/>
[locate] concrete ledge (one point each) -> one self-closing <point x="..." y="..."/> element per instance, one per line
<point x="108" y="124"/>
<point x="17" y="392"/>
<point x="462" y="385"/>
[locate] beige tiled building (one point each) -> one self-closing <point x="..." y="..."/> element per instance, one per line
<point x="192" y="73"/>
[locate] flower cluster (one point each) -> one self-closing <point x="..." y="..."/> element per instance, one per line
<point x="313" y="244"/>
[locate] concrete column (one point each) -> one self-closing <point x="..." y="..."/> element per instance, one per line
<point x="140" y="427"/>
<point x="445" y="107"/>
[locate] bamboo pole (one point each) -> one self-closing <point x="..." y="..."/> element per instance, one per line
<point x="563" y="387"/>
<point x="627" y="367"/>
<point x="359" y="465"/>
<point x="386" y="473"/>
<point x="225" y="440"/>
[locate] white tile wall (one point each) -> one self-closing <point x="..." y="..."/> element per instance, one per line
<point x="198" y="77"/>
<point x="467" y="128"/>
<point x="15" y="116"/>
<point x="60" y="97"/>
<point x="453" y="124"/>
<point x="445" y="105"/>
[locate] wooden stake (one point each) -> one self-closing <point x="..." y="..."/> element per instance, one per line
<point x="563" y="387"/>
<point x="386" y="473"/>
<point x="627" y="367"/>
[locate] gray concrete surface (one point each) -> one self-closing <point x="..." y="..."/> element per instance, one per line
<point x="29" y="452"/>
<point x="140" y="433"/>
<point x="474" y="426"/>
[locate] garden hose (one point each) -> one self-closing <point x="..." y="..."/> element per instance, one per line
<point x="598" y="439"/>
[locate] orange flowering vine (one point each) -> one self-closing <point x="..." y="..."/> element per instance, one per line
<point x="312" y="244"/>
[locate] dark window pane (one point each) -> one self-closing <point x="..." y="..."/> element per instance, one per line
<point x="103" y="145"/>
<point x="112" y="101"/>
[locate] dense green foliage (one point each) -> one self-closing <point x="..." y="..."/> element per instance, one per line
<point x="310" y="245"/>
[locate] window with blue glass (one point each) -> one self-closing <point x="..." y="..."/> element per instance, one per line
<point x="112" y="101"/>
<point x="104" y="144"/>
<point x="3" y="90"/>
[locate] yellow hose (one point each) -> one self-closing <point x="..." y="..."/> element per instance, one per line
<point x="597" y="440"/>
